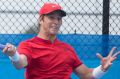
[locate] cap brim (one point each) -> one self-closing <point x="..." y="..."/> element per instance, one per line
<point x="63" y="13"/>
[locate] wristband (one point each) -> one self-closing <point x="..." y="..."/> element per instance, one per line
<point x="15" y="57"/>
<point x="97" y="72"/>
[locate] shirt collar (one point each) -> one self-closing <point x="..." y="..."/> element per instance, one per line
<point x="44" y="41"/>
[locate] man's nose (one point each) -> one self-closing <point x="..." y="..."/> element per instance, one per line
<point x="56" y="20"/>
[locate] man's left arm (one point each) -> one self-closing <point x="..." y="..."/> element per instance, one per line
<point x="95" y="73"/>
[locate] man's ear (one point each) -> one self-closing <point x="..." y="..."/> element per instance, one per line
<point x="41" y="18"/>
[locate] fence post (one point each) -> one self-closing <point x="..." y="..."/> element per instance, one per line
<point x="105" y="27"/>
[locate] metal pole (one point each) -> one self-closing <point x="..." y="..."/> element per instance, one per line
<point x="105" y="27"/>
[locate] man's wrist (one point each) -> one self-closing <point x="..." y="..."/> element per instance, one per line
<point x="104" y="70"/>
<point x="15" y="57"/>
<point x="98" y="72"/>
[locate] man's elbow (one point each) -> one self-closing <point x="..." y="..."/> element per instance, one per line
<point x="18" y="67"/>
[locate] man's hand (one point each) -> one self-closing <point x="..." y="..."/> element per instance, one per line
<point x="9" y="49"/>
<point x="106" y="62"/>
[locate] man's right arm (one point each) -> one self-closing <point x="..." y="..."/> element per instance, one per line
<point x="18" y="60"/>
<point x="21" y="63"/>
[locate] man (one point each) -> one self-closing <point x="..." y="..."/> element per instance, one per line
<point x="46" y="57"/>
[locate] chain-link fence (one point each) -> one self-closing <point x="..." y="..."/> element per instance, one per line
<point x="20" y="16"/>
<point x="115" y="17"/>
<point x="84" y="17"/>
<point x="84" y="27"/>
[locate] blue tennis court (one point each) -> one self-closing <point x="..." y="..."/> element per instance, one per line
<point x="85" y="50"/>
<point x="9" y="72"/>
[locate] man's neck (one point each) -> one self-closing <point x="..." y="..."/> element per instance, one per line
<point x="47" y="37"/>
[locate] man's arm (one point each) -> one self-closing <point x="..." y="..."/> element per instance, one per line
<point x="88" y="73"/>
<point x="18" y="60"/>
<point x="84" y="72"/>
<point x="21" y="63"/>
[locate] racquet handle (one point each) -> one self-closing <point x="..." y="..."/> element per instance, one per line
<point x="2" y="46"/>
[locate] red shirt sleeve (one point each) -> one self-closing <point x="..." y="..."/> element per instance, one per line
<point x="76" y="62"/>
<point x="24" y="48"/>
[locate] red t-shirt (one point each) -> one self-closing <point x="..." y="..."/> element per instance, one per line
<point x="48" y="60"/>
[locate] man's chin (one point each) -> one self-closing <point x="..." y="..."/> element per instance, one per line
<point x="54" y="33"/>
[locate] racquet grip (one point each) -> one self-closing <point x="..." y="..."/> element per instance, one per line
<point x="2" y="46"/>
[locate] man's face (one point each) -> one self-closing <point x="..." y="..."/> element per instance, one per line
<point x="51" y="23"/>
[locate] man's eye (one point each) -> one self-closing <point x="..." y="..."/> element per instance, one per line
<point x="51" y="17"/>
<point x="57" y="18"/>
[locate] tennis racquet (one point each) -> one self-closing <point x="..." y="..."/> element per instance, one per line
<point x="2" y="46"/>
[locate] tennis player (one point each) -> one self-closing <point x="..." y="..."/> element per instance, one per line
<point x="46" y="57"/>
